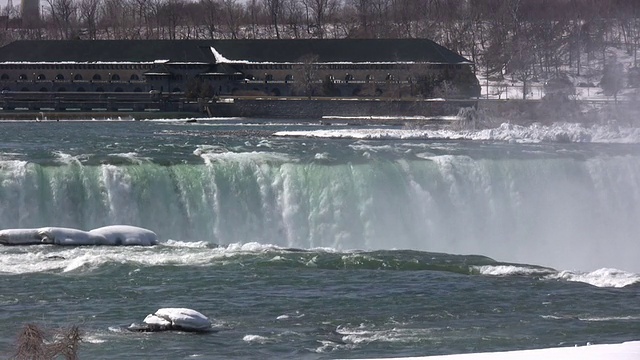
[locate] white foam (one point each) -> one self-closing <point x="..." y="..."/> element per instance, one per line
<point x="255" y="339"/>
<point x="604" y="277"/>
<point x="242" y="157"/>
<point x="133" y="157"/>
<point x="186" y="244"/>
<point x="363" y="334"/>
<point x="611" y="318"/>
<point x="536" y="133"/>
<point x="35" y="259"/>
<point x="68" y="159"/>
<point x="510" y="270"/>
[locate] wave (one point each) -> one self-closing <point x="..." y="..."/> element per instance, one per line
<point x="51" y="259"/>
<point x="604" y="277"/>
<point x="512" y="270"/>
<point x="43" y="258"/>
<point x="211" y="154"/>
<point x="536" y="133"/>
<point x="132" y="157"/>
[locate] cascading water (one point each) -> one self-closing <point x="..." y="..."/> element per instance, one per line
<point x="563" y="211"/>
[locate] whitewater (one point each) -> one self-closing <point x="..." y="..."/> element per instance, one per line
<point x="311" y="241"/>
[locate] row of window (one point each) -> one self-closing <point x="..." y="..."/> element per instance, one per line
<point x="81" y="89"/>
<point x="76" y="77"/>
<point x="346" y="66"/>
<point x="77" y="66"/>
<point x="347" y="77"/>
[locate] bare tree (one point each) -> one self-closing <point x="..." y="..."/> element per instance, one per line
<point x="35" y="343"/>
<point x="318" y="11"/>
<point x="232" y="17"/>
<point x="211" y="15"/>
<point x="88" y="17"/>
<point x="293" y="17"/>
<point x="612" y="78"/>
<point x="170" y="17"/>
<point x="144" y="14"/>
<point x="63" y="15"/>
<point x="305" y="75"/>
<point x="274" y="9"/>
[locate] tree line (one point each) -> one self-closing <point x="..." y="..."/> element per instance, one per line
<point x="524" y="39"/>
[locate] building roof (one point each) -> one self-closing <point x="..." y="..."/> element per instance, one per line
<point x="232" y="51"/>
<point x="108" y="51"/>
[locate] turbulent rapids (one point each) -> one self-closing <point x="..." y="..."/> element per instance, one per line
<point x="566" y="205"/>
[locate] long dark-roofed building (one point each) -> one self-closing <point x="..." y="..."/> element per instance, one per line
<point x="207" y="68"/>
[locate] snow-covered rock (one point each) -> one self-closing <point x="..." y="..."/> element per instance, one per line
<point x="177" y="319"/>
<point x="126" y="235"/>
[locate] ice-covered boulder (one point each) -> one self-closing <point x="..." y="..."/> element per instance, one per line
<point x="69" y="236"/>
<point x="108" y="235"/>
<point x="181" y="319"/>
<point x="20" y="237"/>
<point x="126" y="235"/>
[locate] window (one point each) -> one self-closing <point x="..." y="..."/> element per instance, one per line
<point x="96" y="77"/>
<point x="118" y="89"/>
<point x="288" y="78"/>
<point x="80" y="89"/>
<point x="59" y="77"/>
<point x="22" y="77"/>
<point x="4" y="77"/>
<point x="61" y="89"/>
<point x="41" y="77"/>
<point x="77" y="77"/>
<point x="369" y="78"/>
<point x="115" y="77"/>
<point x="99" y="89"/>
<point x="134" y="77"/>
<point x="348" y="78"/>
<point x="268" y="77"/>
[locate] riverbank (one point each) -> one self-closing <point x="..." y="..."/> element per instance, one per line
<point x="94" y="115"/>
<point x="477" y="113"/>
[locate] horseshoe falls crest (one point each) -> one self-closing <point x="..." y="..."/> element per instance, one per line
<point x="303" y="241"/>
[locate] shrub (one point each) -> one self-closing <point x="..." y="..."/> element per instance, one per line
<point x="35" y="343"/>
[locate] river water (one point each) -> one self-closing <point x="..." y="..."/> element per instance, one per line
<point x="305" y="241"/>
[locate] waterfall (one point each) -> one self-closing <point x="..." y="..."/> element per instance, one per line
<point x="561" y="212"/>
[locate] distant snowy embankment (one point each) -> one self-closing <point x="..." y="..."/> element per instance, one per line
<point x="535" y="133"/>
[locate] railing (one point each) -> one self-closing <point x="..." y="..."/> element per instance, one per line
<point x="90" y="101"/>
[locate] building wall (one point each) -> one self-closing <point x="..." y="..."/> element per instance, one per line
<point x="321" y="108"/>
<point x="390" y="80"/>
<point x="72" y="77"/>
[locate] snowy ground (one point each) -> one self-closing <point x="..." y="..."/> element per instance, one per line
<point x="510" y="88"/>
<point x="624" y="351"/>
